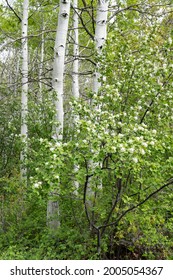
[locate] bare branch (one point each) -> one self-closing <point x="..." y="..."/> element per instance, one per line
<point x="170" y="182"/>
<point x="11" y="8"/>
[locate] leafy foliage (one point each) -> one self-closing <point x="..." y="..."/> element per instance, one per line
<point x="119" y="140"/>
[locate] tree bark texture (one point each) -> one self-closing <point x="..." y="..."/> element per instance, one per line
<point x="24" y="96"/>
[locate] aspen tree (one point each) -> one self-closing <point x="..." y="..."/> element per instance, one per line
<point x="58" y="65"/>
<point x="57" y="84"/>
<point x="75" y="75"/>
<point x="24" y="96"/>
<point x="99" y="38"/>
<point x="100" y="35"/>
<point x="41" y="61"/>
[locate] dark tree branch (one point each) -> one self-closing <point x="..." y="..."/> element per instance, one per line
<point x="11" y="8"/>
<point x="103" y="227"/>
<point x="92" y="16"/>
<point x="84" y="26"/>
<point x="118" y="196"/>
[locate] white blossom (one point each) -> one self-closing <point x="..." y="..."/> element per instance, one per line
<point x="130" y="141"/>
<point x="120" y="135"/>
<point x="131" y="150"/>
<point x="37" y="185"/>
<point x="144" y="144"/>
<point x="135" y="159"/>
<point x="122" y="149"/>
<point x="58" y="144"/>
<point x="170" y="40"/>
<point x="142" y="151"/>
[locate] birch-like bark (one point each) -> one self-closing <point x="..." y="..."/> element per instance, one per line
<point x="58" y="66"/>
<point x="100" y="35"/>
<point x="41" y="63"/>
<point x="75" y="74"/>
<point x="24" y="96"/>
<point x="57" y="84"/>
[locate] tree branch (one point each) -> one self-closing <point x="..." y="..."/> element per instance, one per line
<point x="11" y="8"/>
<point x="170" y="182"/>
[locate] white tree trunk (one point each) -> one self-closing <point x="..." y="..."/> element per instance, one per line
<point x="57" y="84"/>
<point x="75" y="75"/>
<point x="41" y="63"/>
<point x="100" y="35"/>
<point x="24" y="97"/>
<point x="53" y="214"/>
<point x="58" y="66"/>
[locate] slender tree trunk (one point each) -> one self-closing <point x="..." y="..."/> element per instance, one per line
<point x="57" y="84"/>
<point x="100" y="35"/>
<point x="24" y="97"/>
<point x="75" y="75"/>
<point x="58" y="66"/>
<point x="41" y="63"/>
